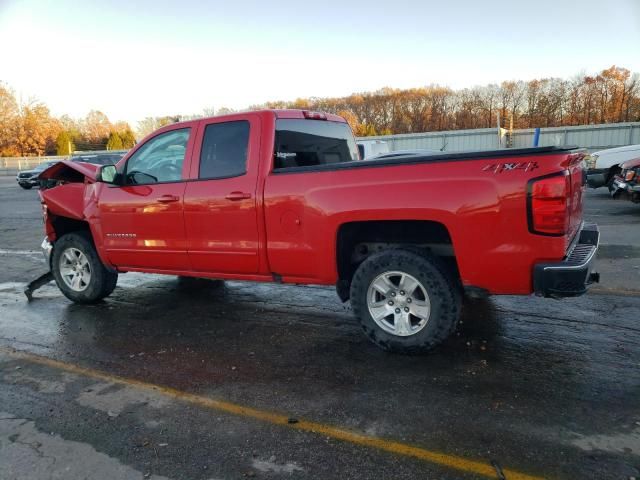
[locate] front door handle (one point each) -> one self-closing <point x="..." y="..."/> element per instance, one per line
<point x="168" y="198"/>
<point x="235" y="196"/>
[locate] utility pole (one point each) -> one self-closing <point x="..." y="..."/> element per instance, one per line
<point x="510" y="135"/>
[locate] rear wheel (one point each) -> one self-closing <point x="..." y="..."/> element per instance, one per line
<point x="78" y="271"/>
<point x="406" y="301"/>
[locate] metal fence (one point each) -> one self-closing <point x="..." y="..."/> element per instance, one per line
<point x="12" y="165"/>
<point x="591" y="137"/>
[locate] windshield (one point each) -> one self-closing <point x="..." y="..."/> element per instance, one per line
<point x="303" y="143"/>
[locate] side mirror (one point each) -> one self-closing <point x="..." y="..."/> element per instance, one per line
<point x="107" y="174"/>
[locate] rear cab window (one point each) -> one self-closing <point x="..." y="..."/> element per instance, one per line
<point x="308" y="143"/>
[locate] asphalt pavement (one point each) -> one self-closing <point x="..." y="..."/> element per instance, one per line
<point x="204" y="380"/>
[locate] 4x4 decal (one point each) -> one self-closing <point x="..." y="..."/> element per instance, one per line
<point x="510" y="167"/>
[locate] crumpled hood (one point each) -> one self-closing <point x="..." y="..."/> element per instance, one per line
<point x="72" y="190"/>
<point x="64" y="169"/>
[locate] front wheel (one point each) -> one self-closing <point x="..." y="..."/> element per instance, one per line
<point x="406" y="301"/>
<point x="78" y="271"/>
<point x="26" y="186"/>
<point x="611" y="177"/>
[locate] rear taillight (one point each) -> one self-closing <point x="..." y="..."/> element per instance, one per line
<point x="548" y="202"/>
<point x="629" y="175"/>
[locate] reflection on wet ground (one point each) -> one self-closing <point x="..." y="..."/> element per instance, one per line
<point x="521" y="373"/>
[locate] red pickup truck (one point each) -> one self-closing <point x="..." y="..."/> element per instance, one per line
<point x="282" y="196"/>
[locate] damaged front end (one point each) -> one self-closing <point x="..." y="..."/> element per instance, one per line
<point x="67" y="196"/>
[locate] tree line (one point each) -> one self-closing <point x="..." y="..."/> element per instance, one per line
<point x="610" y="96"/>
<point x="613" y="95"/>
<point x="28" y="128"/>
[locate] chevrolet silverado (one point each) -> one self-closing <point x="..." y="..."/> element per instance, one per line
<point x="282" y="196"/>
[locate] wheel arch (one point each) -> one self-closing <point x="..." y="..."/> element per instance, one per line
<point x="355" y="241"/>
<point x="63" y="225"/>
<point x="612" y="171"/>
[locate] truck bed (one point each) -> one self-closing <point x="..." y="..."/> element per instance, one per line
<point x="409" y="159"/>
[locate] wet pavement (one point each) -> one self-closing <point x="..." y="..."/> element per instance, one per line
<point x="203" y="380"/>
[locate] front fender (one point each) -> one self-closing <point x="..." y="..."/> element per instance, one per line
<point x="74" y="195"/>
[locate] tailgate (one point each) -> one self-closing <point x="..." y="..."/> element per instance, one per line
<point x="575" y="164"/>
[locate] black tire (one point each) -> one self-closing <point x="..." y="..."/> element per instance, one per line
<point x="611" y="176"/>
<point x="443" y="293"/>
<point x="102" y="280"/>
<point x="26" y="187"/>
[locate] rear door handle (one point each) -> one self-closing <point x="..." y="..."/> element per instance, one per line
<point x="235" y="196"/>
<point x="168" y="198"/>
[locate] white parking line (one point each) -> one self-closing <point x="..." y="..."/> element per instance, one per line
<point x="18" y="252"/>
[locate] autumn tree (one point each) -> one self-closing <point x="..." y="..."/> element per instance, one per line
<point x="96" y="127"/>
<point x="221" y="111"/>
<point x="150" y="124"/>
<point x="611" y="95"/>
<point x="8" y="120"/>
<point x="64" y="144"/>
<point x="73" y="128"/>
<point x="114" y="142"/>
<point x="125" y="133"/>
<point x="128" y="139"/>
<point x="35" y="130"/>
<point x="351" y="119"/>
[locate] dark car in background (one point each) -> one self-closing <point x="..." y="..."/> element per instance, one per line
<point x="29" y="178"/>
<point x="627" y="183"/>
<point x="102" y="157"/>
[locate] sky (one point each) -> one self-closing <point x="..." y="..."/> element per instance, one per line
<point x="134" y="59"/>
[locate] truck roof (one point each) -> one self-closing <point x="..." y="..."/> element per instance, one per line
<point x="302" y="114"/>
<point x="282" y="113"/>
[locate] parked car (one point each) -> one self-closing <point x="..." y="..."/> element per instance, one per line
<point x="604" y="165"/>
<point x="372" y="148"/>
<point x="408" y="153"/>
<point x="282" y="196"/>
<point x="627" y="183"/>
<point x="29" y="178"/>
<point x="102" y="157"/>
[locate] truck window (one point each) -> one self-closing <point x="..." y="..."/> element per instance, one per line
<point x="302" y="143"/>
<point x="224" y="150"/>
<point x="158" y="160"/>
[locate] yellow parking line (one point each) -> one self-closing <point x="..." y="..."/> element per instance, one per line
<point x="438" y="458"/>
